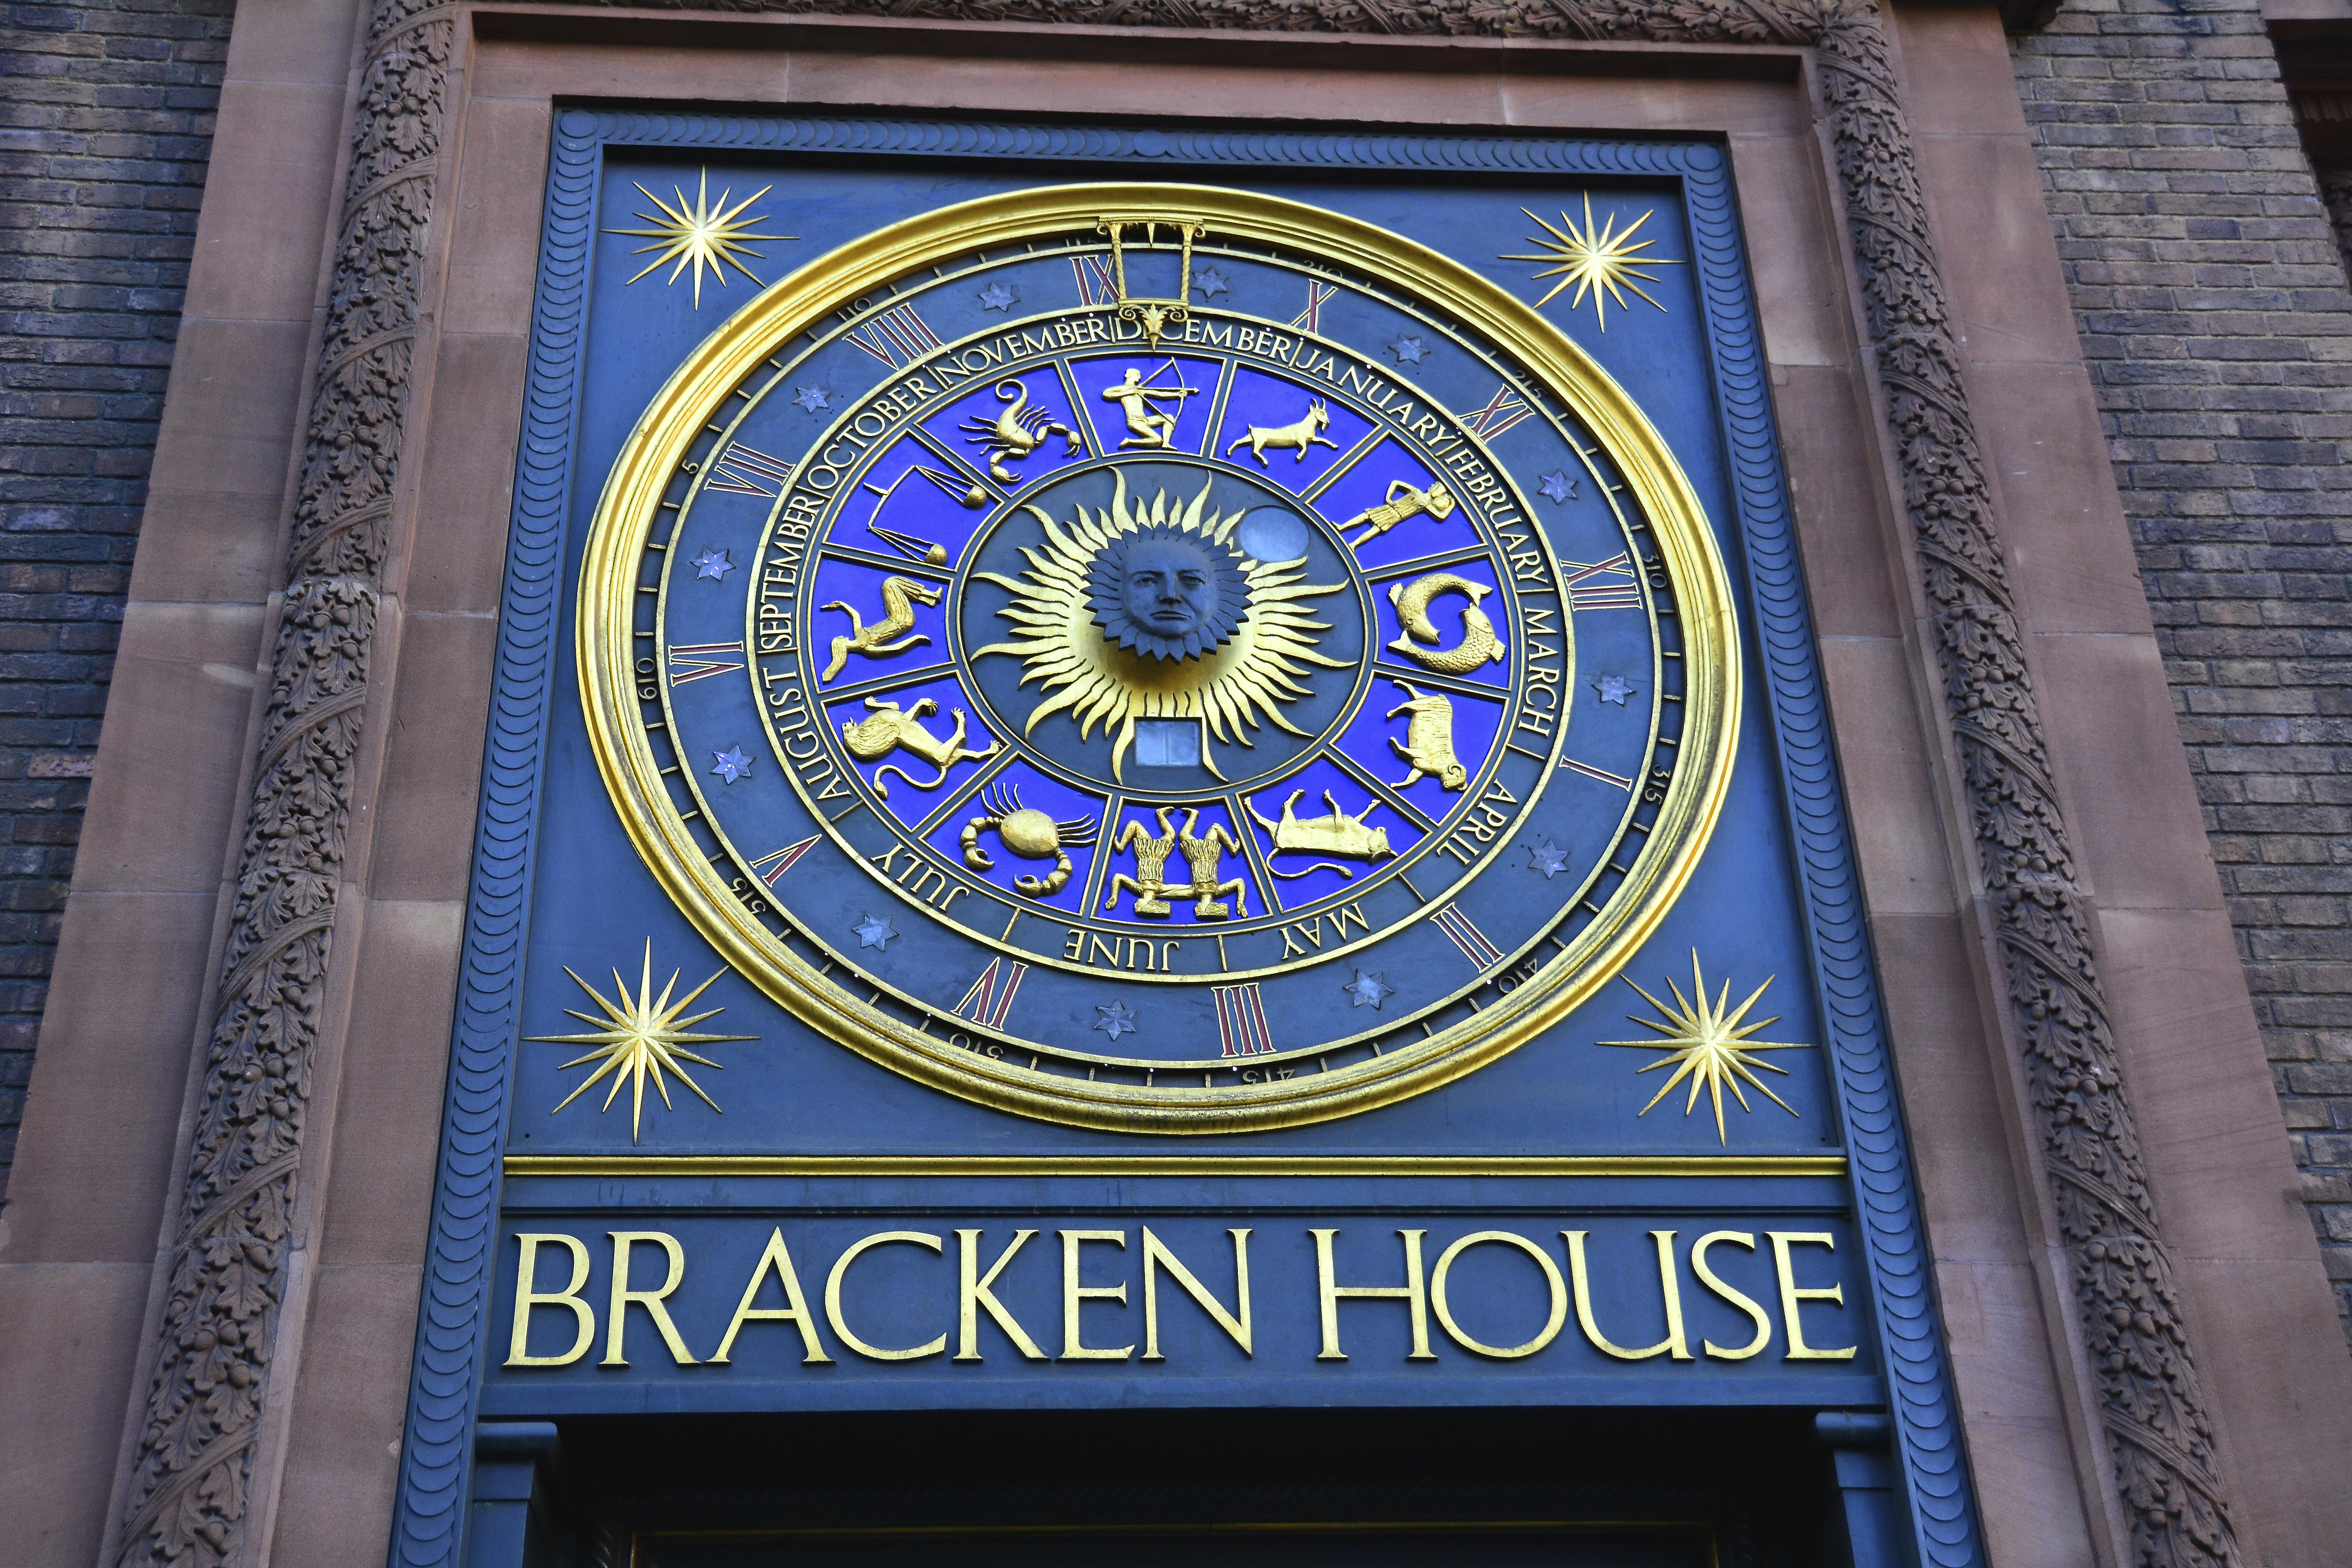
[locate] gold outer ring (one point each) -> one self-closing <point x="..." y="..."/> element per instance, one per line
<point x="626" y="512"/>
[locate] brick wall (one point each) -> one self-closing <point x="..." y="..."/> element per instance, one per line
<point x="105" y="123"/>
<point x="2213" y="305"/>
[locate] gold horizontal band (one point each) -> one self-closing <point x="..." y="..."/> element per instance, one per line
<point x="967" y="1165"/>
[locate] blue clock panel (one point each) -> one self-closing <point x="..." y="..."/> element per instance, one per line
<point x="1152" y="769"/>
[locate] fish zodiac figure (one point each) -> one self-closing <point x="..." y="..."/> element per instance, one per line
<point x="1297" y="436"/>
<point x="1203" y="855"/>
<point x="886" y="728"/>
<point x="1479" y="644"/>
<point x="1338" y="833"/>
<point x="1028" y="833"/>
<point x="1428" y="743"/>
<point x="889" y="634"/>
<point x="1017" y="432"/>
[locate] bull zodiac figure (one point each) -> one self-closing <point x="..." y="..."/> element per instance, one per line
<point x="1428" y="743"/>
<point x="1203" y="856"/>
<point x="889" y="634"/>
<point x="885" y="728"/>
<point x="1017" y="432"/>
<point x="1479" y="644"/>
<point x="1297" y="436"/>
<point x="1338" y="833"/>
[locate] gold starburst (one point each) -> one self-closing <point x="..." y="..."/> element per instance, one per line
<point x="1603" y="264"/>
<point x="1228" y="689"/>
<point x="1709" y="1045"/>
<point x="641" y="1037"/>
<point x="701" y="234"/>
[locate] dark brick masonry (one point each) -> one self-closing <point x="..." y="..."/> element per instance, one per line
<point x="106" y="116"/>
<point x="2212" y="301"/>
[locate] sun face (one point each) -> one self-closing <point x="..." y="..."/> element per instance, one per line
<point x="1707" y="1044"/>
<point x="1230" y="681"/>
<point x="640" y="1037"/>
<point x="703" y="235"/>
<point x="1602" y="262"/>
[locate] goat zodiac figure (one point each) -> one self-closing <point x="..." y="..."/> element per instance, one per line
<point x="889" y="634"/>
<point x="1017" y="432"/>
<point x="1296" y="436"/>
<point x="885" y="728"/>
<point x="1028" y="833"/>
<point x="1201" y="855"/>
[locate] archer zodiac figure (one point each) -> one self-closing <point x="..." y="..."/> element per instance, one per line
<point x="1338" y="833"/>
<point x="1147" y="427"/>
<point x="885" y="728"/>
<point x="1479" y="644"/>
<point x="1030" y="834"/>
<point x="1297" y="436"/>
<point x="889" y="634"/>
<point x="1017" y="432"/>
<point x="1428" y="743"/>
<point x="1203" y="855"/>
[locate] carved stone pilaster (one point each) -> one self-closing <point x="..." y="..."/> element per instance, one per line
<point x="186" y="1504"/>
<point x="188" y="1500"/>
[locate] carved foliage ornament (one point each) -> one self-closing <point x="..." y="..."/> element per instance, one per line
<point x="228" y="1272"/>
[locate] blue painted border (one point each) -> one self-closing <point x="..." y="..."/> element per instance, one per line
<point x="452" y="1327"/>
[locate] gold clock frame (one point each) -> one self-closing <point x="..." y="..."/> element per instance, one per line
<point x="630" y="507"/>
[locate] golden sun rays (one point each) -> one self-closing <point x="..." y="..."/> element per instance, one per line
<point x="1603" y="263"/>
<point x="1707" y="1044"/>
<point x="1230" y="689"/>
<point x="640" y="1037"/>
<point x="701" y="233"/>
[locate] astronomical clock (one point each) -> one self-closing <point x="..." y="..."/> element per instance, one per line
<point x="1160" y="657"/>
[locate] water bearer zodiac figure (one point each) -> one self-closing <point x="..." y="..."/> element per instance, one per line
<point x="1017" y="432"/>
<point x="1148" y="426"/>
<point x="1201" y="855"/>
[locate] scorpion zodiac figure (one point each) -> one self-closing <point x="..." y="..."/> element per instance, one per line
<point x="889" y="634"/>
<point x="1149" y="884"/>
<point x="1028" y="833"/>
<point x="1018" y="431"/>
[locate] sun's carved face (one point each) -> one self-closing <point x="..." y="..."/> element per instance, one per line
<point x="1168" y="594"/>
<point x="1141" y="612"/>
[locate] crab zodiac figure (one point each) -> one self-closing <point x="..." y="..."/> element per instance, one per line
<point x="1201" y="854"/>
<point x="1028" y="833"/>
<point x="1017" y="432"/>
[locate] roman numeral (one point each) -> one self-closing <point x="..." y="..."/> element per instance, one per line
<point x="768" y="868"/>
<point x="701" y="660"/>
<point x="1096" y="284"/>
<point x="1467" y="937"/>
<point x="1240" y="1020"/>
<point x="1583" y="594"/>
<point x="896" y="336"/>
<point x="991" y="996"/>
<point x="1503" y="411"/>
<point x="740" y="471"/>
<point x="1311" y="318"/>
